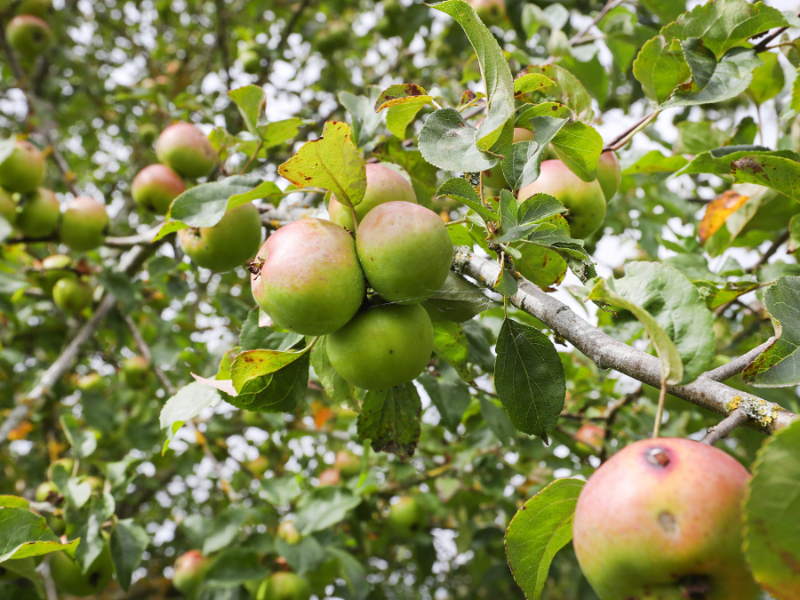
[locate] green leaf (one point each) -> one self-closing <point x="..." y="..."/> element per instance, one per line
<point x="652" y="162"/>
<point x="714" y="81"/>
<point x="450" y="343"/>
<point x="671" y="310"/>
<point x="774" y="172"/>
<point x="497" y="419"/>
<point x="531" y="82"/>
<point x="275" y="134"/>
<point x="506" y="283"/>
<point x="128" y="542"/>
<point x="771" y="540"/>
<point x="279" y="391"/>
<point x="265" y="189"/>
<point x="449" y="394"/>
<point x="779" y="365"/>
<point x="461" y="190"/>
<point x="353" y="573"/>
<point x="304" y="557"/>
<point x="324" y="507"/>
<point x="538" y="531"/>
<point x="23" y="534"/>
<point x="794" y="234"/>
<point x="401" y="93"/>
<point x="724" y="24"/>
<point x="529" y="378"/>
<point x="390" y="420"/>
<point x="225" y="529"/>
<point x="13" y="502"/>
<point x="720" y="161"/>
<point x="579" y="146"/>
<point x="447" y="141"/>
<point x="250" y="100"/>
<point x="660" y="68"/>
<point x="768" y="79"/>
<point x="666" y="10"/>
<point x="187" y="403"/>
<point x="233" y="567"/>
<point x="399" y="117"/>
<point x="361" y="109"/>
<point x="281" y="491"/>
<point x="567" y="89"/>
<point x="335" y="386"/>
<point x="92" y="540"/>
<point x="332" y="163"/>
<point x="696" y="138"/>
<point x="256" y="363"/>
<point x="75" y="491"/>
<point x="82" y="440"/>
<point x="495" y="72"/>
<point x="521" y="167"/>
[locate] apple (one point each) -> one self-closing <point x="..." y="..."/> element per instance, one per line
<point x="663" y="519"/>
<point x="23" y="170"/>
<point x="37" y="8"/>
<point x="228" y="244"/>
<point x="313" y="292"/>
<point x="72" y="295"/>
<point x="329" y="477"/>
<point x="456" y="300"/>
<point x="251" y="60"/>
<point x="91" y="382"/>
<point x="47" y="492"/>
<point x="29" y="36"/>
<point x="190" y="568"/>
<point x="283" y="586"/>
<point x="186" y="150"/>
<point x="609" y="174"/>
<point x="383" y="346"/>
<point x="405" y="251"/>
<point x="258" y="466"/>
<point x="39" y="214"/>
<point x="590" y="438"/>
<point x="148" y="132"/>
<point x="67" y="463"/>
<point x="384" y="184"/>
<point x="348" y="463"/>
<point x="84" y="224"/>
<point x="69" y="578"/>
<point x="8" y="207"/>
<point x="288" y="532"/>
<point x="136" y="372"/>
<point x="155" y="187"/>
<point x="491" y="12"/>
<point x="584" y="200"/>
<point x="55" y="268"/>
<point x="406" y="518"/>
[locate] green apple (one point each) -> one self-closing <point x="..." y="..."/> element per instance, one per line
<point x="136" y="372"/>
<point x="39" y="214"/>
<point x="8" y="207"/>
<point x="23" y="170"/>
<point x="609" y="174"/>
<point x="29" y="36"/>
<point x="155" y="187"/>
<point x="228" y="244"/>
<point x="186" y="150"/>
<point x="72" y="295"/>
<point x="406" y="518"/>
<point x="37" y="8"/>
<point x="84" y="224"/>
<point x="55" y="268"/>
<point x="283" y="586"/>
<point x="69" y="578"/>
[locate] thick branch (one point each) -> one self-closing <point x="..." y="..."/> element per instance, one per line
<point x="609" y="353"/>
<point x="129" y="263"/>
<point x="736" y="419"/>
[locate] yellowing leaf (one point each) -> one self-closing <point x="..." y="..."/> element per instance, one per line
<point x="718" y="211"/>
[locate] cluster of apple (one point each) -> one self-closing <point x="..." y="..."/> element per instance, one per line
<point x="311" y="278"/>
<point x="184" y="152"/>
<point x="28" y="33"/>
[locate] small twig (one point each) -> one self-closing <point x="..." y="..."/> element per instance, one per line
<point x="603" y="12"/>
<point x="623" y="138"/>
<point x="736" y="419"/>
<point x="51" y="593"/>
<point x="252" y="157"/>
<point x="737" y="365"/>
<point x="141" y="239"/>
<point x="222" y="42"/>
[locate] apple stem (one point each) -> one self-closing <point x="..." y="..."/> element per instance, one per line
<point x="660" y="411"/>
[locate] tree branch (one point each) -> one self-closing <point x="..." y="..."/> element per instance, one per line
<point x="129" y="264"/>
<point x="737" y="365"/>
<point x="609" y="353"/>
<point x="284" y="39"/>
<point x="714" y="434"/>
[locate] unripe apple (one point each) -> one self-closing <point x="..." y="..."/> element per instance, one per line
<point x="29" y="36"/>
<point x="136" y="372"/>
<point x="283" y="586"/>
<point x="383" y="185"/>
<point x="8" y="207"/>
<point x="190" y="568"/>
<point x="609" y="174"/>
<point x="258" y="466"/>
<point x="56" y="524"/>
<point x="84" y="224"/>
<point x="46" y="492"/>
<point x="491" y="12"/>
<point x="186" y="150"/>
<point x="383" y="346"/>
<point x="329" y="477"/>
<point x="23" y="170"/>
<point x="348" y="463"/>
<point x="228" y="244"/>
<point x="663" y="519"/>
<point x="94" y="482"/>
<point x="39" y="214"/>
<point x="406" y="517"/>
<point x="456" y="300"/>
<point x="91" y="382"/>
<point x="288" y="532"/>
<point x="10" y="570"/>
<point x="37" y="8"/>
<point x="69" y="579"/>
<point x="584" y="200"/>
<point x="310" y="280"/>
<point x="72" y="295"/>
<point x="55" y="268"/>
<point x="405" y="251"/>
<point x="251" y="61"/>
<point x="155" y="187"/>
<point x="67" y="463"/>
<point x="147" y="132"/>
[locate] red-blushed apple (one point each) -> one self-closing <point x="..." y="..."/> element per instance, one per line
<point x="584" y="200"/>
<point x="29" y="36"/>
<point x="155" y="187"/>
<point x="662" y="520"/>
<point x="186" y="150"/>
<point x="405" y="251"/>
<point x="315" y="291"/>
<point x="84" y="224"/>
<point x="228" y="244"/>
<point x="590" y="438"/>
<point x="329" y="477"/>
<point x="382" y="346"/>
<point x="384" y="184"/>
<point x="23" y="170"/>
<point x="609" y="174"/>
<point x="190" y="568"/>
<point x="348" y="463"/>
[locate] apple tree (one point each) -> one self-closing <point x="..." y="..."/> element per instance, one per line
<point x="378" y="299"/>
